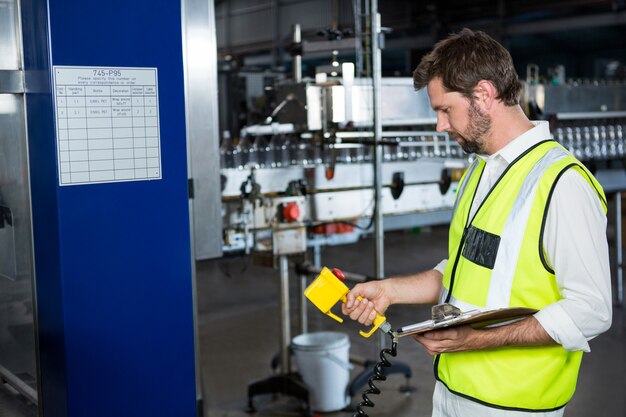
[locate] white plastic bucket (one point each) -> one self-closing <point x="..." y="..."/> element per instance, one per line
<point x="323" y="362"/>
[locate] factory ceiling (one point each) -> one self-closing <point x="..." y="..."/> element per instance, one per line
<point x="536" y="26"/>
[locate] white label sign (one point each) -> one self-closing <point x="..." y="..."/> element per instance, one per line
<point x="107" y="124"/>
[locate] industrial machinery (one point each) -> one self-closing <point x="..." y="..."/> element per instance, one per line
<point x="306" y="178"/>
<point x="588" y="117"/>
<point x="318" y="145"/>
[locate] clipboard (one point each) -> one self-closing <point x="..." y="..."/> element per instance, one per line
<point x="447" y="315"/>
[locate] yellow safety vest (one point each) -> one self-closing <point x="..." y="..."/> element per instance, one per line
<point x="496" y="260"/>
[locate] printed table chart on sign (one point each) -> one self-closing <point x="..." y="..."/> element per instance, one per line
<point x="107" y="124"/>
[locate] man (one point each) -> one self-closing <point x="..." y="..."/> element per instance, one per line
<point x="528" y="230"/>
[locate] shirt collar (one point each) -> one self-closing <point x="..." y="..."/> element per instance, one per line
<point x="526" y="140"/>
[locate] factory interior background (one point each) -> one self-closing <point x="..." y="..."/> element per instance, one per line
<point x="174" y="175"/>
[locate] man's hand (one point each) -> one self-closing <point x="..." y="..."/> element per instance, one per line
<point x="374" y="299"/>
<point x="527" y="332"/>
<point x="457" y="339"/>
<point x="420" y="288"/>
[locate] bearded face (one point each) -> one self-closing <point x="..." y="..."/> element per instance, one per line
<point x="479" y="123"/>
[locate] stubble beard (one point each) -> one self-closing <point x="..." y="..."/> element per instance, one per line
<point x="478" y="126"/>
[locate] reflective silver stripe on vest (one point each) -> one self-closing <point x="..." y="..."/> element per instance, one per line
<point x="459" y="194"/>
<point x="501" y="281"/>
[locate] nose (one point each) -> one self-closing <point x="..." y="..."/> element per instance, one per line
<point x="442" y="124"/>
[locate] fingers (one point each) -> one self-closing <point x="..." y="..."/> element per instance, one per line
<point x="361" y="310"/>
<point x="439" y="335"/>
<point x="449" y="340"/>
<point x="436" y="341"/>
<point x="359" y="290"/>
<point x="428" y="350"/>
<point x="350" y="299"/>
<point x="372" y="300"/>
<point x="430" y="346"/>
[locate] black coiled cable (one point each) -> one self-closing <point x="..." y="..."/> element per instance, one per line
<point x="379" y="375"/>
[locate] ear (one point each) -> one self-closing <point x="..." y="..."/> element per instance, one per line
<point x="485" y="93"/>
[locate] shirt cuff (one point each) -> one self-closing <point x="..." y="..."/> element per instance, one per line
<point x="559" y="325"/>
<point x="441" y="266"/>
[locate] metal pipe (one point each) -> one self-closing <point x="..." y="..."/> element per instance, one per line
<point x="354" y="143"/>
<point x="312" y="191"/>
<point x="379" y="231"/>
<point x="297" y="58"/>
<point x="390" y="134"/>
<point x="378" y="151"/>
<point x="590" y="115"/>
<point x="19" y="385"/>
<point x="368" y="187"/>
<point x="276" y="50"/>
<point x="285" y="331"/>
<point x="304" y="322"/>
<point x="317" y="256"/>
<point x="358" y="37"/>
<point x="618" y="226"/>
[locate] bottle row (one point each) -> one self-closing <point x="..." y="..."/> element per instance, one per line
<point x="594" y="142"/>
<point x="285" y="150"/>
<point x="586" y="143"/>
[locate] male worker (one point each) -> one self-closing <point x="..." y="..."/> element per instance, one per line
<point x="528" y="230"/>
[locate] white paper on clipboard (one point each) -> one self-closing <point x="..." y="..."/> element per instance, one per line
<point x="475" y="318"/>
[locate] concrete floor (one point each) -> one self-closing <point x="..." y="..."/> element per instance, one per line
<point x="239" y="335"/>
<point x="239" y="328"/>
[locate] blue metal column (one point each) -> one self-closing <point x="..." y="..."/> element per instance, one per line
<point x="113" y="270"/>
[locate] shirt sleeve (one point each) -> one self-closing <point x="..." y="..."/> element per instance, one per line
<point x="576" y="248"/>
<point x="441" y="266"/>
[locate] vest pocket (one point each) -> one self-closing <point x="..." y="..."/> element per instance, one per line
<point x="481" y="247"/>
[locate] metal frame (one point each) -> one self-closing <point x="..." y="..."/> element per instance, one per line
<point x="285" y="317"/>
<point x="12" y="82"/>
<point x="379" y="231"/>
<point x="200" y="61"/>
<point x="618" y="236"/>
<point x="200" y="52"/>
<point x="590" y="115"/>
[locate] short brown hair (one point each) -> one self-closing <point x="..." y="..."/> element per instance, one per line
<point x="463" y="59"/>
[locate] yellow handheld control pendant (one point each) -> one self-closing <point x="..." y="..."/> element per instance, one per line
<point x="327" y="289"/>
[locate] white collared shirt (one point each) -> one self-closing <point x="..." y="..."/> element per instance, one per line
<point x="575" y="245"/>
